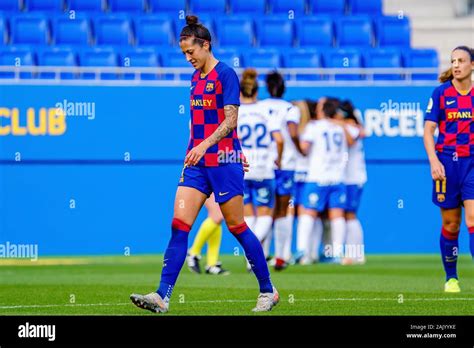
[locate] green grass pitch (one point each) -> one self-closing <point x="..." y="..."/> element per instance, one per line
<point x="386" y="285"/>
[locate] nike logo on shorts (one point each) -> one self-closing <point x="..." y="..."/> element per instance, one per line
<point x="223" y="193"/>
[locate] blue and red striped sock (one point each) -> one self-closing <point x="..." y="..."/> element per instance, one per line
<point x="449" y="252"/>
<point x="254" y="253"/>
<point x="471" y="240"/>
<point x="175" y="256"/>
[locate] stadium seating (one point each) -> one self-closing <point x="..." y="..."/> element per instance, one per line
<point x="71" y="31"/>
<point x="392" y="31"/>
<point x="57" y="57"/>
<point x="127" y="5"/>
<point x="105" y="57"/>
<point x="229" y="56"/>
<point x="344" y="58"/>
<point x="154" y="30"/>
<point x="298" y="7"/>
<point x="383" y="58"/>
<point x="422" y="58"/>
<point x="166" y="6"/>
<point x="113" y="30"/>
<point x="275" y="32"/>
<point x="174" y="58"/>
<point x="10" y="5"/>
<point x="262" y="58"/>
<point x="256" y="7"/>
<point x="139" y="58"/>
<point x="29" y="29"/>
<point x="315" y="32"/>
<point x="3" y="31"/>
<point x="371" y="7"/>
<point x="16" y="56"/>
<point x="303" y="58"/>
<point x="332" y="7"/>
<point x="87" y="5"/>
<point x="44" y="5"/>
<point x="354" y="31"/>
<point x="235" y="31"/>
<point x="207" y="6"/>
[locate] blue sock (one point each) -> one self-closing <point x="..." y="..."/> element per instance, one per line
<point x="449" y="252"/>
<point x="254" y="253"/>
<point x="471" y="240"/>
<point x="175" y="256"/>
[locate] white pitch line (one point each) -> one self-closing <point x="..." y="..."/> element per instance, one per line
<point x="245" y="301"/>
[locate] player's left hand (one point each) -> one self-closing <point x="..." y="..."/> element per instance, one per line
<point x="194" y="156"/>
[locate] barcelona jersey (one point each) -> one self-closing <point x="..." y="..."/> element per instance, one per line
<point x="453" y="112"/>
<point x="209" y="95"/>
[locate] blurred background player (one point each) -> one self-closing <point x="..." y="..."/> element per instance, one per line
<point x="257" y="129"/>
<point x="355" y="178"/>
<point x="212" y="164"/>
<point x="450" y="109"/>
<point x="288" y="116"/>
<point x="210" y="231"/>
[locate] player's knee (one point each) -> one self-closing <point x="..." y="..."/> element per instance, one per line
<point x="181" y="224"/>
<point x="452" y="226"/>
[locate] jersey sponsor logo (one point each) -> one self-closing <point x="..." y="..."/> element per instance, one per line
<point x="454" y="115"/>
<point x="201" y="102"/>
<point x="209" y="86"/>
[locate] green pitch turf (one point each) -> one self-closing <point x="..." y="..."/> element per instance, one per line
<point x="386" y="285"/>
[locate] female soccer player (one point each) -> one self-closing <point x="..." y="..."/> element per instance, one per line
<point x="290" y="118"/>
<point x="212" y="164"/>
<point x="450" y="109"/>
<point x="262" y="143"/>
<point x="210" y="231"/>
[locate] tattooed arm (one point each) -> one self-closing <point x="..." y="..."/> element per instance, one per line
<point x="231" y="113"/>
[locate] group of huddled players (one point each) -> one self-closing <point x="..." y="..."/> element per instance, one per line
<point x="307" y="172"/>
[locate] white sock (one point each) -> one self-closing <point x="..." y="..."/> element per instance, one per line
<point x="280" y="228"/>
<point x="305" y="228"/>
<point x="316" y="237"/>
<point x="250" y="221"/>
<point x="266" y="243"/>
<point x="289" y="238"/>
<point x="338" y="233"/>
<point x="263" y="225"/>
<point x="355" y="240"/>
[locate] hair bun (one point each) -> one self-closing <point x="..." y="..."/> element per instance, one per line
<point x="249" y="74"/>
<point x="192" y="20"/>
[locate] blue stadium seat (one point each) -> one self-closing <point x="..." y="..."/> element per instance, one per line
<point x="29" y="29"/>
<point x="383" y="58"/>
<point x="3" y="31"/>
<point x="354" y="31"/>
<point x="199" y="7"/>
<point x="44" y="5"/>
<point x="13" y="56"/>
<point x="57" y="57"/>
<point x="174" y="58"/>
<point x="140" y="57"/>
<point x="205" y="19"/>
<point x="342" y="59"/>
<point x="275" y="31"/>
<point x="392" y="31"/>
<point x="167" y="6"/>
<point x="285" y="6"/>
<point x="72" y="31"/>
<point x="256" y="7"/>
<point x="113" y="30"/>
<point x="422" y="58"/>
<point x="154" y="31"/>
<point x="127" y="5"/>
<point x="371" y="7"/>
<point x="262" y="58"/>
<point x="10" y="5"/>
<point x="99" y="57"/>
<point x="87" y="5"/>
<point x="229" y="56"/>
<point x="333" y="7"/>
<point x="303" y="58"/>
<point x="316" y="31"/>
<point x="235" y="31"/>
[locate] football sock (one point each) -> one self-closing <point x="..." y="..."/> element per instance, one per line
<point x="263" y="226"/>
<point x="289" y="238"/>
<point x="471" y="240"/>
<point x="207" y="228"/>
<point x="355" y="238"/>
<point x="449" y="252"/>
<point x="213" y="246"/>
<point x="338" y="233"/>
<point x="305" y="228"/>
<point x="250" y="221"/>
<point x="254" y="253"/>
<point x="267" y="242"/>
<point x="315" y="239"/>
<point x="280" y="236"/>
<point x="174" y="258"/>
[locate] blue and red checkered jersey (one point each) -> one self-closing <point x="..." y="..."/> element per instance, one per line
<point x="209" y="95"/>
<point x="453" y="112"/>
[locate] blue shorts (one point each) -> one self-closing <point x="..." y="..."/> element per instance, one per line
<point x="298" y="188"/>
<point x="284" y="182"/>
<point x="225" y="181"/>
<point x="459" y="183"/>
<point x="353" y="195"/>
<point x="320" y="198"/>
<point x="260" y="193"/>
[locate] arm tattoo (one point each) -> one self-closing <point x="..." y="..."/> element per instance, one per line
<point x="228" y="125"/>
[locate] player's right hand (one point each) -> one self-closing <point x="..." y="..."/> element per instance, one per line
<point x="437" y="170"/>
